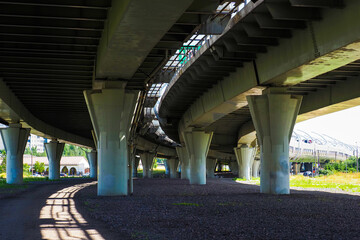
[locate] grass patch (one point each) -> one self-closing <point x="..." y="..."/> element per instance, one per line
<point x="187" y="204"/>
<point x="243" y="179"/>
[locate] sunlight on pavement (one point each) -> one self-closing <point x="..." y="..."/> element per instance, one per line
<point x="61" y="220"/>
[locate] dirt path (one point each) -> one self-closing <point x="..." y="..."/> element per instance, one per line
<point x="48" y="212"/>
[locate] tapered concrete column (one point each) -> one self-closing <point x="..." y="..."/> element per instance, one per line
<point x="135" y="166"/>
<point x="92" y="158"/>
<point x="147" y="160"/>
<point x="167" y="169"/>
<point x="173" y="164"/>
<point x="184" y="162"/>
<point x="54" y="151"/>
<point x="234" y="167"/>
<point x="274" y="114"/>
<point x="111" y="110"/>
<point x="245" y="156"/>
<point x="14" y="138"/>
<point x="197" y="143"/>
<point x="255" y="168"/>
<point x="210" y="167"/>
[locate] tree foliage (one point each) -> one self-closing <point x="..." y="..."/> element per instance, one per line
<point x="71" y="150"/>
<point x="348" y="165"/>
<point x="39" y="167"/>
<point x="3" y="163"/>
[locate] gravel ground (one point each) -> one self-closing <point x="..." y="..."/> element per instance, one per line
<point x="222" y="209"/>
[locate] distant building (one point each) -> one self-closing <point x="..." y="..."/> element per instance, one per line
<point x="36" y="141"/>
<point x="69" y="165"/>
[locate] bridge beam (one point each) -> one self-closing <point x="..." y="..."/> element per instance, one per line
<point x="210" y="167"/>
<point x="184" y="162"/>
<point x="197" y="143"/>
<point x="14" y="138"/>
<point x="173" y="164"/>
<point x="147" y="160"/>
<point x="111" y="109"/>
<point x="54" y="151"/>
<point x="255" y="168"/>
<point x="92" y="158"/>
<point x="274" y="114"/>
<point x="245" y="156"/>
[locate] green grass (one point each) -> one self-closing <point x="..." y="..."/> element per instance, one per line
<point x="187" y="204"/>
<point x="243" y="179"/>
<point x="349" y="182"/>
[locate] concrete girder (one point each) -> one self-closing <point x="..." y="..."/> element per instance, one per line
<point x="111" y="110"/>
<point x="184" y="162"/>
<point x="173" y="164"/>
<point x="129" y="35"/>
<point x="210" y="167"/>
<point x="54" y="151"/>
<point x="147" y="160"/>
<point x="274" y="114"/>
<point x="197" y="144"/>
<point x="14" y="138"/>
<point x="92" y="159"/>
<point x="14" y="111"/>
<point x="245" y="157"/>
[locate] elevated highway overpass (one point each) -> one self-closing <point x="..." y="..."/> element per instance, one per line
<point x="304" y="53"/>
<point x="82" y="72"/>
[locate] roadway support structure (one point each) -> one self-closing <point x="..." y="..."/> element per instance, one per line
<point x="197" y="143"/>
<point x="147" y="160"/>
<point x="245" y="157"/>
<point x="111" y="109"/>
<point x="135" y="166"/>
<point x="234" y="167"/>
<point x="210" y="167"/>
<point x="255" y="168"/>
<point x="184" y="162"/>
<point x="54" y="151"/>
<point x="92" y="158"/>
<point x="274" y="114"/>
<point x="173" y="164"/>
<point x="14" y="138"/>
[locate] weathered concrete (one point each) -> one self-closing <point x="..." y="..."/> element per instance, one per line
<point x="274" y="114"/>
<point x="184" y="162"/>
<point x="173" y="164"/>
<point x="14" y="138"/>
<point x="255" y="168"/>
<point x="197" y="143"/>
<point x="92" y="158"/>
<point x="111" y="110"/>
<point x="136" y="161"/>
<point x="210" y="167"/>
<point x="245" y="156"/>
<point x="147" y="160"/>
<point x="234" y="167"/>
<point x="54" y="151"/>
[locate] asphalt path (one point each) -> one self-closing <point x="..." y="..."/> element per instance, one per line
<point x="48" y="211"/>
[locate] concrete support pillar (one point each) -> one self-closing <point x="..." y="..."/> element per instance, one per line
<point x="210" y="167"/>
<point x="245" y="156"/>
<point x="111" y="110"/>
<point x="14" y="138"/>
<point x="92" y="158"/>
<point x="234" y="167"/>
<point x="173" y="164"/>
<point x="197" y="143"/>
<point x="147" y="160"/>
<point x="167" y="169"/>
<point x="274" y="114"/>
<point x="255" y="168"/>
<point x="54" y="151"/>
<point x="184" y="162"/>
<point x="135" y="166"/>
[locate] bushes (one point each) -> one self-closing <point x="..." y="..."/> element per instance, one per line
<point x="349" y="164"/>
<point x="325" y="172"/>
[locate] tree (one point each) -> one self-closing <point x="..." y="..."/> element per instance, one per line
<point x="39" y="167"/>
<point x="3" y="163"/>
<point x="26" y="167"/>
<point x="71" y="150"/>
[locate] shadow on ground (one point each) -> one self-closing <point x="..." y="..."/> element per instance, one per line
<point x="222" y="209"/>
